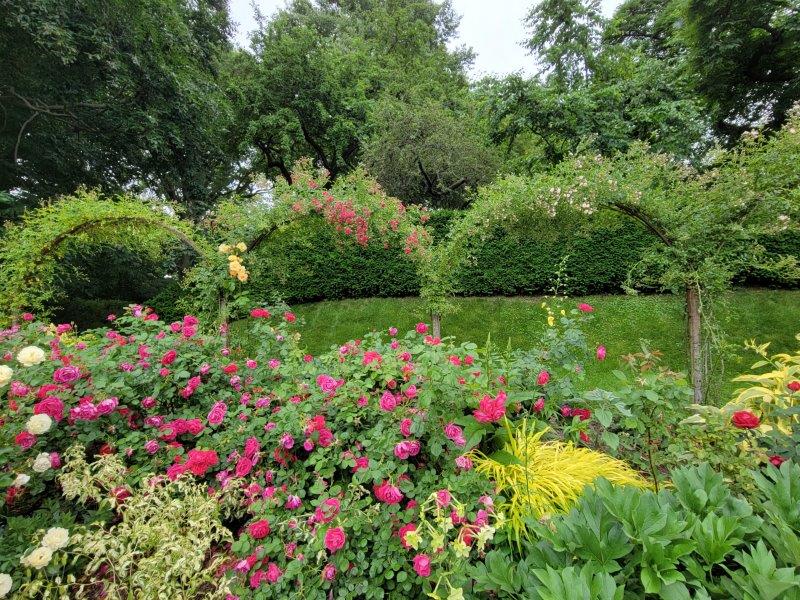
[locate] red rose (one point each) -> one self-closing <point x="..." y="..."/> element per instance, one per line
<point x="259" y="530"/>
<point x="776" y="460"/>
<point x="335" y="539"/>
<point x="744" y="419"/>
<point x="24" y="440"/>
<point x="794" y="386"/>
<point x="230" y="369"/>
<point x="169" y="358"/>
<point x="584" y="413"/>
<point x="260" y="313"/>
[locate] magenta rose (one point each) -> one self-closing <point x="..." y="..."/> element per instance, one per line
<point x="335" y="539"/>
<point x="66" y="375"/>
<point x="259" y="529"/>
<point x="422" y="565"/>
<point x="217" y="413"/>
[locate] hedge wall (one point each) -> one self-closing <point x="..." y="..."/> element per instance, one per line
<point x="308" y="261"/>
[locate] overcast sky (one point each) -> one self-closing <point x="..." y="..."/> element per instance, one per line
<point x="493" y="28"/>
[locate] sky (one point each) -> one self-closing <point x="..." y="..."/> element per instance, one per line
<point x="493" y="28"/>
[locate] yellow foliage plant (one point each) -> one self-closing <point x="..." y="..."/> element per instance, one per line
<point x="770" y="394"/>
<point x="541" y="478"/>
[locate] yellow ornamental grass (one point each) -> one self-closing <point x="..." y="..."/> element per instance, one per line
<point x="540" y="479"/>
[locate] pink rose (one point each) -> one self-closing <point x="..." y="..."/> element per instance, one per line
<point x="329" y="572"/>
<point x="66" y="375"/>
<point x="217" y="413"/>
<point x="543" y="378"/>
<point x="538" y="406"/>
<point x="388" y="401"/>
<point x="107" y="406"/>
<point x="422" y="565"/>
<point x="405" y="427"/>
<point x="55" y="460"/>
<point x="244" y="466"/>
<point x="491" y="409"/>
<point x="335" y="539"/>
<point x="601" y="353"/>
<point x="151" y="446"/>
<point x="421" y="328"/>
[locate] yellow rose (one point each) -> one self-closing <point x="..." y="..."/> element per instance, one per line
<point x="224" y="248"/>
<point x="241" y="247"/>
<point x="55" y="538"/>
<point x="30" y="355"/>
<point x="39" y="424"/>
<point x="39" y="558"/>
<point x="6" y="373"/>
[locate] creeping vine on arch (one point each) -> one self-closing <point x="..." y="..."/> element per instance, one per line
<point x="30" y="250"/>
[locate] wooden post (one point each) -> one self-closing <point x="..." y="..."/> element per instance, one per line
<point x="695" y="340"/>
<point x="436" y="321"/>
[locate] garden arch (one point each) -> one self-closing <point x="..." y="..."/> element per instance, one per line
<point x="30" y="250"/>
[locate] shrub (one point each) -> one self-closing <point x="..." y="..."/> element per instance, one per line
<point x="697" y="540"/>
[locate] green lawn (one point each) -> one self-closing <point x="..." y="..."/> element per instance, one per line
<point x="620" y="322"/>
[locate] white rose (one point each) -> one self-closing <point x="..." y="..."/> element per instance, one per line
<point x="30" y="355"/>
<point x="39" y="424"/>
<point x="39" y="558"/>
<point x="42" y="463"/>
<point x="5" y="374"/>
<point x="5" y="584"/>
<point x="55" y="538"/>
<point x="21" y="480"/>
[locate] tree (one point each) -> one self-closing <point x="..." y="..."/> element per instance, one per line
<point x="120" y="96"/>
<point x="319" y="68"/>
<point x="427" y="154"/>
<point x="565" y="37"/>
<point x="742" y="56"/>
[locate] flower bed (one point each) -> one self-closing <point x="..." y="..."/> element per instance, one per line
<point x="150" y="458"/>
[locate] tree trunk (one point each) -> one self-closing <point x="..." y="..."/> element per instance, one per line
<point x="436" y="319"/>
<point x="695" y="341"/>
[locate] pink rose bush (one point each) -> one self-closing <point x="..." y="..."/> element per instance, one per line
<point x="338" y="470"/>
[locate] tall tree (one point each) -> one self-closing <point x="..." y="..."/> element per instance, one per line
<point x="429" y="154"/>
<point x="744" y="56"/>
<point x="565" y="38"/>
<point x="117" y="95"/>
<point x="319" y="68"/>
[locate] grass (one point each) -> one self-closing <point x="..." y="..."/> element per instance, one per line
<point x="620" y="322"/>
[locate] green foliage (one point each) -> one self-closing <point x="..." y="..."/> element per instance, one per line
<point x="116" y="96"/>
<point x="319" y="68"/>
<point x="429" y="154"/>
<point x="647" y="409"/>
<point x="695" y="541"/>
<point x="33" y="250"/>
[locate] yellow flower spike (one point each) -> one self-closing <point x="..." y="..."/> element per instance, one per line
<point x="563" y="312"/>
<point x="551" y="321"/>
